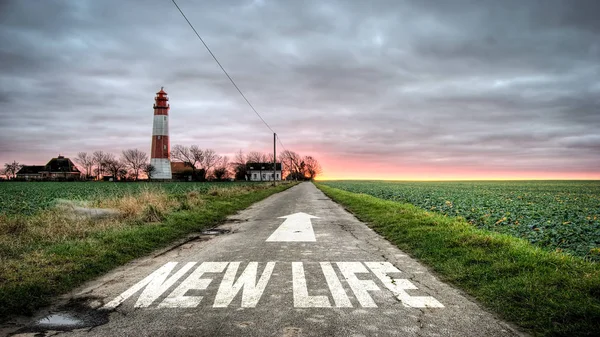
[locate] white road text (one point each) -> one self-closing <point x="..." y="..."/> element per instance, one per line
<point x="190" y="291"/>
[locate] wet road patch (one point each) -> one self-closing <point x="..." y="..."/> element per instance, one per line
<point x="76" y="314"/>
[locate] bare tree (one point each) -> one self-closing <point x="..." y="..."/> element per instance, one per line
<point x="221" y="171"/>
<point x="148" y="169"/>
<point x="11" y="169"/>
<point x="259" y="157"/>
<point x="100" y="159"/>
<point x="86" y="161"/>
<point x="210" y="160"/>
<point x="123" y="172"/>
<point x="197" y="153"/>
<point x="293" y="164"/>
<point x="311" y="167"/>
<point x="239" y="158"/>
<point x="134" y="159"/>
<point x="201" y="161"/>
<point x="239" y="165"/>
<point x="253" y="157"/>
<point x="113" y="165"/>
<point x="192" y="156"/>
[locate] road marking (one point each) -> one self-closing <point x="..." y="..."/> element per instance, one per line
<point x="296" y="227"/>
<point x="251" y="293"/>
<point x="154" y="284"/>
<point x="158" y="282"/>
<point x="178" y="299"/>
<point x="335" y="286"/>
<point x="359" y="287"/>
<point x="397" y="286"/>
<point x="301" y="297"/>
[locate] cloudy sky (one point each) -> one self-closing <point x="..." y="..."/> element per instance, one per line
<point x="392" y="89"/>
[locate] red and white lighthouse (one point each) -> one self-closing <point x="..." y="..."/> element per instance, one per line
<point x="160" y="153"/>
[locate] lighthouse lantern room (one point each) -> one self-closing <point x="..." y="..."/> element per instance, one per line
<point x="160" y="152"/>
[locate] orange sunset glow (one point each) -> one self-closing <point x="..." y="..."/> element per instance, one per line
<point x="349" y="170"/>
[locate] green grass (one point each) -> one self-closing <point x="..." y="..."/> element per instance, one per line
<point x="26" y="198"/>
<point x="547" y="293"/>
<point x="556" y="215"/>
<point x="35" y="267"/>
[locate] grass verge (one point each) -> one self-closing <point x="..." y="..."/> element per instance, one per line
<point x="546" y="293"/>
<point x="53" y="252"/>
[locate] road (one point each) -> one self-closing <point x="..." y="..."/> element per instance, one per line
<point x="294" y="264"/>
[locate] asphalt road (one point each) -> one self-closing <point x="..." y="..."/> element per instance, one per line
<point x="318" y="272"/>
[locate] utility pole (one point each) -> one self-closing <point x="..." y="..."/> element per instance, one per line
<point x="274" y="158"/>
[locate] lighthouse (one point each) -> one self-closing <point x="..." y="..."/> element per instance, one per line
<point x="160" y="152"/>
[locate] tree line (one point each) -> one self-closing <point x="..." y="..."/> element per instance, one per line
<point x="200" y="164"/>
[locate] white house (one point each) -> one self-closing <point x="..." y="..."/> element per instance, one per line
<point x="262" y="171"/>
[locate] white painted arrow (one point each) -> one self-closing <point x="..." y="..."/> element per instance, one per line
<point x="296" y="227"/>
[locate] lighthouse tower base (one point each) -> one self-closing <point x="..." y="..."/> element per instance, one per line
<point x="162" y="168"/>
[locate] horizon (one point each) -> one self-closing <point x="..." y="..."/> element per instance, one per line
<point x="402" y="91"/>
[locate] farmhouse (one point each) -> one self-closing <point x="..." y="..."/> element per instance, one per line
<point x="181" y="171"/>
<point x="30" y="172"/>
<point x="262" y="171"/>
<point x="59" y="168"/>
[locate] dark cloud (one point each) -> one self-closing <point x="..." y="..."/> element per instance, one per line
<point x="497" y="85"/>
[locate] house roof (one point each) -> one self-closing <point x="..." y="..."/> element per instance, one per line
<point x="31" y="169"/>
<point x="262" y="166"/>
<point x="180" y="167"/>
<point x="61" y="164"/>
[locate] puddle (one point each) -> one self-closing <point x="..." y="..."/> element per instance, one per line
<point x="75" y="315"/>
<point x="60" y="320"/>
<point x="215" y="231"/>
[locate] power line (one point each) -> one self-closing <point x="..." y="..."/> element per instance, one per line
<point x="279" y="139"/>
<point x="219" y="63"/>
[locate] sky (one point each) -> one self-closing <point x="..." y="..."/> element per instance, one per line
<point x="423" y="89"/>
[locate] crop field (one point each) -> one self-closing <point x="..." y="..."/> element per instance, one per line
<point x="52" y="238"/>
<point x="27" y="198"/>
<point x="557" y="215"/>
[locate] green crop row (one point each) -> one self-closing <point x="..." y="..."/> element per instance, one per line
<point x="557" y="215"/>
<point x="27" y="198"/>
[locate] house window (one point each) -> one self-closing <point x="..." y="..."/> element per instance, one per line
<point x="254" y="176"/>
<point x="158" y="137"/>
<point x="277" y="176"/>
<point x="164" y="147"/>
<point x="263" y="176"/>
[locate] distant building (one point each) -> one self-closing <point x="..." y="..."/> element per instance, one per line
<point x="262" y="171"/>
<point x="160" y="152"/>
<point x="59" y="168"/>
<point x="31" y="172"/>
<point x="181" y="171"/>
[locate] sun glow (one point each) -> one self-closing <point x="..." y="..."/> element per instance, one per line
<point x="347" y="170"/>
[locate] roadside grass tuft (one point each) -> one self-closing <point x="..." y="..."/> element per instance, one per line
<point x="51" y="252"/>
<point x="136" y="205"/>
<point x="547" y="293"/>
<point x="153" y="214"/>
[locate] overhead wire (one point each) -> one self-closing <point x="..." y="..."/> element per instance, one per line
<point x="224" y="71"/>
<point x="279" y="139"/>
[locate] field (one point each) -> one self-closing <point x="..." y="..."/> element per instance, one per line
<point x="556" y="215"/>
<point x="544" y="291"/>
<point x="29" y="198"/>
<point x="48" y="246"/>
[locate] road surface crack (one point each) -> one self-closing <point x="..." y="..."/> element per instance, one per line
<point x="364" y="240"/>
<point x="420" y="322"/>
<point x="189" y="239"/>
